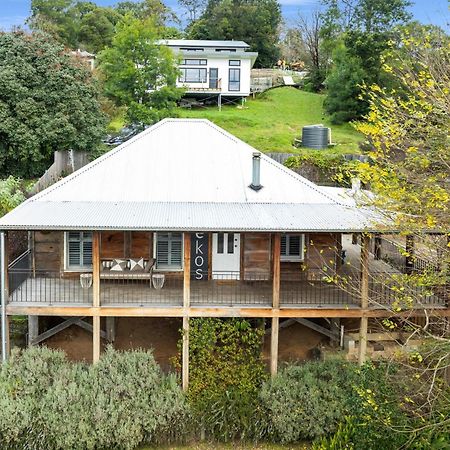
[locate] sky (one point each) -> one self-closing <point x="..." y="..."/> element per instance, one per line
<point x="14" y="12"/>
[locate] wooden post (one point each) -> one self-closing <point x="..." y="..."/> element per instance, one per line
<point x="185" y="354"/>
<point x="409" y="260"/>
<point x="187" y="271"/>
<point x="276" y="271"/>
<point x="33" y="329"/>
<point x="186" y="304"/>
<point x="96" y="295"/>
<point x="274" y="346"/>
<point x="110" y="329"/>
<point x="274" y="335"/>
<point x="377" y="247"/>
<point x="365" y="240"/>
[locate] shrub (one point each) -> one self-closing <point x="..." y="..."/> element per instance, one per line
<point x="123" y="401"/>
<point x="307" y="401"/>
<point x="310" y="401"/>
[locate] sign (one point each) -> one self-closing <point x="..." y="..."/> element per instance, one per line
<point x="199" y="256"/>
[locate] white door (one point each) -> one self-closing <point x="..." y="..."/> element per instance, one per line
<point x="226" y="256"/>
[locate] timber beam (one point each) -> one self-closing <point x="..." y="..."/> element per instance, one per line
<point x="114" y="311"/>
<point x="55" y="330"/>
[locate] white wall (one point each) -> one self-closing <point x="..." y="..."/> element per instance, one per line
<point x="221" y="61"/>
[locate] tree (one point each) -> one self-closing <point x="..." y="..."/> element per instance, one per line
<point x="83" y="24"/>
<point x="253" y="21"/>
<point x="365" y="27"/>
<point x="194" y="8"/>
<point x="407" y="129"/>
<point x="48" y="102"/>
<point x="11" y="194"/>
<point x="144" y="9"/>
<point x="139" y="73"/>
<point x="317" y="57"/>
<point x="96" y="29"/>
<point x="343" y="101"/>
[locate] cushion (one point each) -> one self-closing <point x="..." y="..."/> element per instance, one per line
<point x="118" y="265"/>
<point x="136" y="265"/>
<point x="106" y="264"/>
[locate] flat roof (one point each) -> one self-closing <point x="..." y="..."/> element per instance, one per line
<point x="203" y="43"/>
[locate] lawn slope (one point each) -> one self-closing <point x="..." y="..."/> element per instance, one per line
<point x="272" y="121"/>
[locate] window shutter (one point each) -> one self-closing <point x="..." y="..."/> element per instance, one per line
<point x="162" y="249"/>
<point x="283" y="245"/>
<point x="176" y="250"/>
<point x="74" y="248"/>
<point x="87" y="252"/>
<point x="79" y="249"/>
<point x="294" y="245"/>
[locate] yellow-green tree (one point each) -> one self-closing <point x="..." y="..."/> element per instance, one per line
<point x="408" y="131"/>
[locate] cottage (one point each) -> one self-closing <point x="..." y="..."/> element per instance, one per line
<point x="185" y="220"/>
<point x="212" y="68"/>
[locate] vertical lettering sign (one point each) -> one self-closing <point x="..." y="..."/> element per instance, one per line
<point x="199" y="256"/>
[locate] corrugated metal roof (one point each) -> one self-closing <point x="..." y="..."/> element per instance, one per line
<point x="203" y="43"/>
<point x="190" y="216"/>
<point x="185" y="174"/>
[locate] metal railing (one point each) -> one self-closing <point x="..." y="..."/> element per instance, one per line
<point x="230" y="289"/>
<point x="140" y="291"/>
<point x="295" y="291"/>
<point x="400" y="291"/>
<point x="46" y="288"/>
<point x="22" y="264"/>
<point x="393" y="254"/>
<point x="394" y="290"/>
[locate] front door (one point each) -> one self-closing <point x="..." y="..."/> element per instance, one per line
<point x="213" y="78"/>
<point x="226" y="256"/>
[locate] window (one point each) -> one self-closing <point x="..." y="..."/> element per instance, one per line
<point x="292" y="247"/>
<point x="78" y="250"/>
<point x="194" y="62"/>
<point x="234" y="62"/>
<point x="169" y="251"/>
<point x="230" y="50"/>
<point x="193" y="76"/>
<point x="192" y="49"/>
<point x="234" y="80"/>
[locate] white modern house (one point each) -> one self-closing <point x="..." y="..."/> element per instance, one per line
<point x="213" y="67"/>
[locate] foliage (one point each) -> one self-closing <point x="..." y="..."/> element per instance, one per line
<point x="226" y="372"/>
<point x="343" y="102"/>
<point x="139" y="73"/>
<point x="272" y="121"/>
<point x="48" y="102"/>
<point x="121" y="402"/>
<point x="310" y="401"/>
<point x="315" y="55"/>
<point x="305" y="401"/>
<point x="11" y="194"/>
<point x="407" y="129"/>
<point x="358" y="32"/>
<point x="83" y="24"/>
<point x="325" y="167"/>
<point x="253" y="21"/>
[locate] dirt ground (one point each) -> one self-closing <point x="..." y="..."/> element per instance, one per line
<point x="158" y="334"/>
<point x="296" y="342"/>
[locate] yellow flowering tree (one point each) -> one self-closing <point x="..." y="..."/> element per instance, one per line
<point x="408" y="137"/>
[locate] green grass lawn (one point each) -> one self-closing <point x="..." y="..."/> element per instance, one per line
<point x="272" y="121"/>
